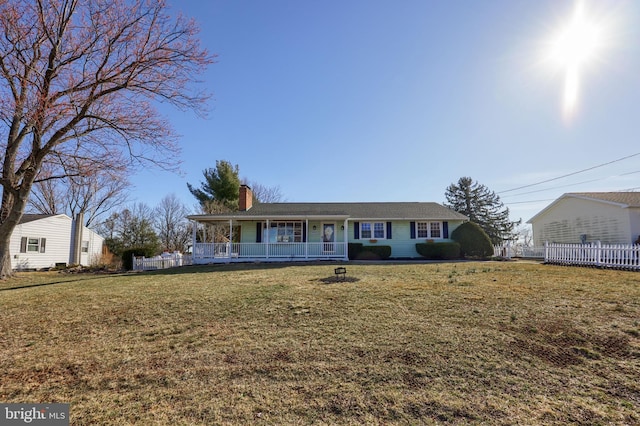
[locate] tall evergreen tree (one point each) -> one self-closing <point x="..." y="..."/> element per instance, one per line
<point x="219" y="191"/>
<point x="483" y="207"/>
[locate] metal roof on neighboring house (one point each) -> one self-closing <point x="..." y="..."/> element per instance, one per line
<point x="353" y="211"/>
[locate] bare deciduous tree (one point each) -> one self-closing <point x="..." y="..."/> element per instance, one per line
<point x="78" y="79"/>
<point x="94" y="195"/>
<point x="171" y="224"/>
<point x="266" y="194"/>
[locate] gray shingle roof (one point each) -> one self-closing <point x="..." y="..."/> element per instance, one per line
<point x="354" y="211"/>
<point x="32" y="217"/>
<point x="629" y="199"/>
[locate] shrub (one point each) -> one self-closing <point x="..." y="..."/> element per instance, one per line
<point x="474" y="242"/>
<point x="127" y="255"/>
<point x="374" y="253"/>
<point x="354" y="249"/>
<point x="443" y="251"/>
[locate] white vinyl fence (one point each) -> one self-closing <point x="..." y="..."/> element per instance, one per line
<point x="509" y="251"/>
<point x="166" y="260"/>
<point x="618" y="256"/>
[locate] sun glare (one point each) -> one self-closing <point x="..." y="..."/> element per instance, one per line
<point x="573" y="48"/>
<point x="579" y="42"/>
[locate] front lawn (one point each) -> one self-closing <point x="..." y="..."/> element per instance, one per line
<point x="484" y="343"/>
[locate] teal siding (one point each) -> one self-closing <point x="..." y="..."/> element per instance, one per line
<point x="402" y="245"/>
<point x="248" y="233"/>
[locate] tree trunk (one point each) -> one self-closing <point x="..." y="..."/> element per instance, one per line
<point x="5" y="257"/>
<point x="13" y="206"/>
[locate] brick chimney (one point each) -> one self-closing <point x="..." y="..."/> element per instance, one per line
<point x="246" y="198"/>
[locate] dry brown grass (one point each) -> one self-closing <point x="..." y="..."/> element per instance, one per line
<point x="460" y="343"/>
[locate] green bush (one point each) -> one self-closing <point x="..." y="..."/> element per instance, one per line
<point x="440" y="251"/>
<point x="127" y="255"/>
<point x="474" y="242"/>
<point x="354" y="249"/>
<point x="374" y="253"/>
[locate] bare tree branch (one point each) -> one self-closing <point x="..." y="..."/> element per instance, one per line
<point x="78" y="81"/>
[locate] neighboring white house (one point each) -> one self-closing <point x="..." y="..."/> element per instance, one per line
<point x="42" y="241"/>
<point x="608" y="217"/>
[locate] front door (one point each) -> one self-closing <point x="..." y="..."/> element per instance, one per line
<point x="328" y="237"/>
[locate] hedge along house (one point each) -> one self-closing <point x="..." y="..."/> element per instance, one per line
<point x="311" y="231"/>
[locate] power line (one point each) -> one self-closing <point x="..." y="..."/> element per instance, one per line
<point x="550" y="189"/>
<point x="570" y="174"/>
<point x="529" y="202"/>
<point x="570" y="184"/>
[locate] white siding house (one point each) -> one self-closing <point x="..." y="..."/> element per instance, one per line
<point x="574" y="218"/>
<point x="42" y="241"/>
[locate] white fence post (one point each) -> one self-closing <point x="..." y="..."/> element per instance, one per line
<point x="546" y="251"/>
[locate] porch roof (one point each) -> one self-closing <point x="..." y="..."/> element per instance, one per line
<point x="339" y="211"/>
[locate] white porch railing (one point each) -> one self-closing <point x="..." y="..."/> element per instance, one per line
<point x="225" y="252"/>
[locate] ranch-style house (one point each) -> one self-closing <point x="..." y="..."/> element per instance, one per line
<point x="271" y="232"/>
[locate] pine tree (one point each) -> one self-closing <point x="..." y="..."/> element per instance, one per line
<point x="483" y="207"/>
<point x="219" y="191"/>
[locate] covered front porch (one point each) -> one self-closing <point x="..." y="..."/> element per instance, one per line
<point x="270" y="239"/>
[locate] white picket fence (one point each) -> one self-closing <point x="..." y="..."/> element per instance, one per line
<point x="509" y="251"/>
<point x="166" y="260"/>
<point x="618" y="256"/>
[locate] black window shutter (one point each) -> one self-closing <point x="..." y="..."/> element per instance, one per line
<point x="356" y="230"/>
<point x="412" y="226"/>
<point x="304" y="232"/>
<point x="445" y="229"/>
<point x="23" y="245"/>
<point x="43" y="244"/>
<point x="388" y="230"/>
<point x="259" y="232"/>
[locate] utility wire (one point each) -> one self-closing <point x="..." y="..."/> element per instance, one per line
<point x="570" y="184"/>
<point x="529" y="202"/>
<point x="570" y="174"/>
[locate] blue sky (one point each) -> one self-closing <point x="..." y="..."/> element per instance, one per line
<point x="395" y="100"/>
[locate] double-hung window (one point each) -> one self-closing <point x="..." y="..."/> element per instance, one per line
<point x="284" y="232"/>
<point x="371" y="230"/>
<point x="32" y="245"/>
<point x="429" y="229"/>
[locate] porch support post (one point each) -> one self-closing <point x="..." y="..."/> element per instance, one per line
<point x="193" y="239"/>
<point x="230" y="248"/>
<point x="267" y="247"/>
<point x="346" y="239"/>
<point x="306" y="242"/>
